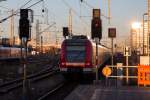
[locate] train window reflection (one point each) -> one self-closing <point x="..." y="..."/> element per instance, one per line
<point x="77" y="48"/>
<point x="75" y="53"/>
<point x="75" y="56"/>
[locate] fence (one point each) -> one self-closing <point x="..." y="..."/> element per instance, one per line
<point x="143" y="76"/>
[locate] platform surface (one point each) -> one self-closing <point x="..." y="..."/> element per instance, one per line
<point x="97" y="92"/>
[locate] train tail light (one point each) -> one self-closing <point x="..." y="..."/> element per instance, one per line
<point x="63" y="49"/>
<point x="63" y="63"/>
<point x="87" y="63"/>
<point x="88" y="54"/>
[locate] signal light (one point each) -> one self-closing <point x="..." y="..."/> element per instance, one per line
<point x="96" y="13"/>
<point x="24" y="28"/>
<point x="96" y="28"/>
<point x="26" y="17"/>
<point x="65" y="31"/>
<point x="24" y="13"/>
<point x="96" y="25"/>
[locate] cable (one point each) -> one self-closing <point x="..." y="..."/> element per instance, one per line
<point x="16" y="12"/>
<point x="21" y="7"/>
<point x="47" y="28"/>
<point x="34" y="4"/>
<point x="69" y="7"/>
<point x="82" y="21"/>
<point x="74" y="12"/>
<point x="25" y="4"/>
<point x="88" y="4"/>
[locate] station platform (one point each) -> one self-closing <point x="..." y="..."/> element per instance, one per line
<point x="99" y="92"/>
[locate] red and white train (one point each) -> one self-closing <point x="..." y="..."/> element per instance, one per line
<point x="78" y="55"/>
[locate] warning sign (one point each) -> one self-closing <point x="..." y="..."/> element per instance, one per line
<point x="106" y="71"/>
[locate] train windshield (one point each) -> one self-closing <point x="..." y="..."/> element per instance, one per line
<point x="75" y="53"/>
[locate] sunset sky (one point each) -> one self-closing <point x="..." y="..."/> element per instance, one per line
<point x="123" y="13"/>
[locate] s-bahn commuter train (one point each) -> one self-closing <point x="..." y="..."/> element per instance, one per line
<point x="78" y="56"/>
<point x="10" y="52"/>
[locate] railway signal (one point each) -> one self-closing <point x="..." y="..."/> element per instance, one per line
<point x="96" y="33"/>
<point x="96" y="28"/>
<point x="24" y="28"/>
<point x="26" y="18"/>
<point x="96" y="25"/>
<point x="24" y="23"/>
<point x="65" y="31"/>
<point x="24" y="13"/>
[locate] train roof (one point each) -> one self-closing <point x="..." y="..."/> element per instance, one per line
<point x="76" y="39"/>
<point x="100" y="45"/>
<point x="81" y="39"/>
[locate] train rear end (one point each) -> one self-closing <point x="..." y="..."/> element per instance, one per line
<point x="76" y="57"/>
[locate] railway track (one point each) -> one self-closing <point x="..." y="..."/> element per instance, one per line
<point x="12" y="85"/>
<point x="51" y="92"/>
<point x="10" y="71"/>
<point x="60" y="91"/>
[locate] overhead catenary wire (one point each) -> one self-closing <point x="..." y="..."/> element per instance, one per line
<point x="25" y="4"/>
<point x="47" y="28"/>
<point x="75" y="12"/>
<point x="16" y="12"/>
<point x="90" y="6"/>
<point x="35" y="4"/>
<point x="79" y="16"/>
<point x="82" y="5"/>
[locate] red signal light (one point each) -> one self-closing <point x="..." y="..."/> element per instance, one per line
<point x="96" y="28"/>
<point x="96" y="25"/>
